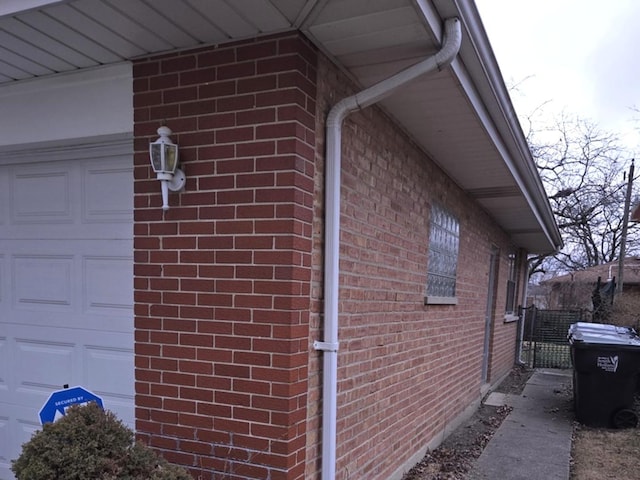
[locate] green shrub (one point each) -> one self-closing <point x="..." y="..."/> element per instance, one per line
<point x="90" y="444"/>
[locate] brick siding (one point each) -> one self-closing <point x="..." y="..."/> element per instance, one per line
<point x="406" y="370"/>
<point x="228" y="282"/>
<point x="222" y="279"/>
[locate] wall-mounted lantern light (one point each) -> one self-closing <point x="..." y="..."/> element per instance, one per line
<point x="164" y="160"/>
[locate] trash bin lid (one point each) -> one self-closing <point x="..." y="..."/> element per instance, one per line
<point x="599" y="333"/>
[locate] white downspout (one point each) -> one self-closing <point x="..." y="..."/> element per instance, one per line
<point x="369" y="96"/>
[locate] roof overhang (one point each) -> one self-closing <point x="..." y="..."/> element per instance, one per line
<point x="462" y="117"/>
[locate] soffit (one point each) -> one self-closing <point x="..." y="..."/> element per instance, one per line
<point x="460" y="116"/>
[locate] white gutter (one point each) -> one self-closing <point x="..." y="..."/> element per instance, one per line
<point x="369" y="96"/>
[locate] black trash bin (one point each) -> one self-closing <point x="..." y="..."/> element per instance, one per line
<point x="606" y="363"/>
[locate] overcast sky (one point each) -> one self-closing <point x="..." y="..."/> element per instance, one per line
<point x="581" y="56"/>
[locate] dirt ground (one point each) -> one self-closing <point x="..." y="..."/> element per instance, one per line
<point x="600" y="454"/>
<point x="454" y="458"/>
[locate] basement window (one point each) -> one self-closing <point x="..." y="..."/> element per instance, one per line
<point x="444" y="241"/>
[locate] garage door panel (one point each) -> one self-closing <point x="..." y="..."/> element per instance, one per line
<point x="59" y="198"/>
<point x="34" y="318"/>
<point x="54" y="201"/>
<point x="24" y="429"/>
<point x="101" y="362"/>
<point x="43" y="282"/>
<point x="98" y="324"/>
<point x="41" y="366"/>
<point x="100" y="204"/>
<point x="98" y="247"/>
<point x="6" y="447"/>
<point x="4" y="280"/>
<point x="113" y="230"/>
<point x="70" y="195"/>
<point x="66" y="287"/>
<point x="106" y="370"/>
<point x="105" y="292"/>
<point x="17" y="433"/>
<point x="4" y="204"/>
<point x="83" y="290"/>
<point x="4" y="366"/>
<point x="123" y="407"/>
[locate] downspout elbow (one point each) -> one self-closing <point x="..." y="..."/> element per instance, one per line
<point x="446" y="55"/>
<point x="375" y="93"/>
<point x="451" y="45"/>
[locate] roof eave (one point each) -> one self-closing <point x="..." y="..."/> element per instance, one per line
<point x="489" y="96"/>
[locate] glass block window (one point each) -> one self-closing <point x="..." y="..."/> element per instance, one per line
<point x="444" y="240"/>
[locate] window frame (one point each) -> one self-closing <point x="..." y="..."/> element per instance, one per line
<point x="514" y="264"/>
<point x="442" y="257"/>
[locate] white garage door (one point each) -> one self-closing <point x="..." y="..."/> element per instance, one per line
<point x="66" y="283"/>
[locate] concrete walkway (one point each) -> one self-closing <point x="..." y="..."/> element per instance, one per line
<point x="534" y="441"/>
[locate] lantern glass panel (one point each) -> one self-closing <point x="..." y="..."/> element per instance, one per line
<point x="170" y="157"/>
<point x="156" y="156"/>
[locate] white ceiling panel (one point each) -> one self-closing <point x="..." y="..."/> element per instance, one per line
<point x="114" y="20"/>
<point x="48" y="46"/>
<point x="22" y="63"/>
<point x="333" y="11"/>
<point x="228" y="20"/>
<point x="53" y="28"/>
<point x="149" y="19"/>
<point x="265" y="15"/>
<point x="190" y="20"/>
<point x="9" y="71"/>
<point x="90" y="27"/>
<point x="369" y="61"/>
<point x="370" y="41"/>
<point x="29" y="57"/>
<point x="376" y="22"/>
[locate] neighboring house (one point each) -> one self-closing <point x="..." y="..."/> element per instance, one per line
<point x="313" y="304"/>
<point x="576" y="289"/>
<point x="537" y="295"/>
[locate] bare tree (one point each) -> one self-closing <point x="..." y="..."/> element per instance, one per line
<point x="584" y="172"/>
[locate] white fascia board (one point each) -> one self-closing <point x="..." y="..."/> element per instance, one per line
<point x="480" y="77"/>
<point x="515" y="155"/>
<point x="16" y="7"/>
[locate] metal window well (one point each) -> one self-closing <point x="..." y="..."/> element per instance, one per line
<point x="606" y="364"/>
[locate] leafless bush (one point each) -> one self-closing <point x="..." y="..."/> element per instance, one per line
<point x="626" y="310"/>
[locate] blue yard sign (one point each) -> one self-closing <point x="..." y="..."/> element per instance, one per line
<point x="60" y="400"/>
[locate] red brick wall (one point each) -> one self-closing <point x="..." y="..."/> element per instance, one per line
<point x="406" y="370"/>
<point x="228" y="282"/>
<point x="222" y="279"/>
